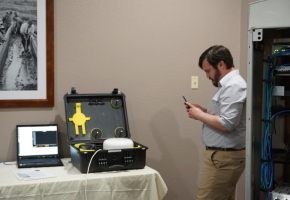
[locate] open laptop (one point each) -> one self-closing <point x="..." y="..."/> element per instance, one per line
<point x="37" y="145"/>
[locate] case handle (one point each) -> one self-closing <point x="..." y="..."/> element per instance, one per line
<point x="73" y="90"/>
<point x="116" y="166"/>
<point x="115" y="91"/>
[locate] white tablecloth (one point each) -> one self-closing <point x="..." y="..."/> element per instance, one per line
<point x="70" y="184"/>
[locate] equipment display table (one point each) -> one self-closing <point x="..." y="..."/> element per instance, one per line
<point x="69" y="183"/>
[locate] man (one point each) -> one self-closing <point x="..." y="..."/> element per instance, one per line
<point x="18" y="22"/>
<point x="224" y="126"/>
<point x="27" y="29"/>
<point x="7" y="19"/>
<point x="2" y="33"/>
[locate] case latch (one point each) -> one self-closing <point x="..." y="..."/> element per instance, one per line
<point x="73" y="90"/>
<point x="115" y="91"/>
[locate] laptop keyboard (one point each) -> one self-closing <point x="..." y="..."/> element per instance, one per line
<point x="40" y="160"/>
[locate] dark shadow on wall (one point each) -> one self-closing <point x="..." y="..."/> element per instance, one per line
<point x="12" y="154"/>
<point x="63" y="139"/>
<point x="178" y="164"/>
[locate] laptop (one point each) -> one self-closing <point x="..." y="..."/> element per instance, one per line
<point x="37" y="145"/>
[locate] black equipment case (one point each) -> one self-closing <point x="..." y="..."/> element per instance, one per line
<point x="93" y="118"/>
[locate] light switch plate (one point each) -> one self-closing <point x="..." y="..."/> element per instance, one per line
<point x="194" y="82"/>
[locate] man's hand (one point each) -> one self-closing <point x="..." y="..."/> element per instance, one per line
<point x="188" y="105"/>
<point x="199" y="113"/>
<point x="194" y="110"/>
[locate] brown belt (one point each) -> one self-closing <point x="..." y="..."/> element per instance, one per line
<point x="223" y="149"/>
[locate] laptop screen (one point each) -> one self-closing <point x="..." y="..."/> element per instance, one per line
<point x="37" y="140"/>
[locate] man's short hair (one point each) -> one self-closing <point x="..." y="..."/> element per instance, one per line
<point x="215" y="54"/>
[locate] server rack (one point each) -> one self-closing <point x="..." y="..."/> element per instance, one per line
<point x="268" y="102"/>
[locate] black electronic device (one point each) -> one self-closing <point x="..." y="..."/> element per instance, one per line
<point x="93" y="118"/>
<point x="37" y="145"/>
<point x="184" y="99"/>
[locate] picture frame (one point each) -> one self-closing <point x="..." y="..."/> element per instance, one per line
<point x="47" y="101"/>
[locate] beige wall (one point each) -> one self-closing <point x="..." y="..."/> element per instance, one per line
<point x="147" y="49"/>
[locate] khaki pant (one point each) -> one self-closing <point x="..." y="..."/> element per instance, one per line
<point x="220" y="174"/>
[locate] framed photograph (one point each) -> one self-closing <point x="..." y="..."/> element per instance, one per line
<point x="26" y="53"/>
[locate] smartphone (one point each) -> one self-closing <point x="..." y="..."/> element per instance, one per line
<point x="184" y="99"/>
<point x="185" y="102"/>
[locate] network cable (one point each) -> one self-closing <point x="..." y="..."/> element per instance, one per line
<point x="266" y="147"/>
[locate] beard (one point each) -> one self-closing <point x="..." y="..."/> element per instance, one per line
<point x="216" y="78"/>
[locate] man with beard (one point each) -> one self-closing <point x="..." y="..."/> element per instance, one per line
<point x="224" y="126"/>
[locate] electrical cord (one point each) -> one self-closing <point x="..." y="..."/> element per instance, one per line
<point x="88" y="172"/>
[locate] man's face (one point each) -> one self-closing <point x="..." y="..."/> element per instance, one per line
<point x="211" y="73"/>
